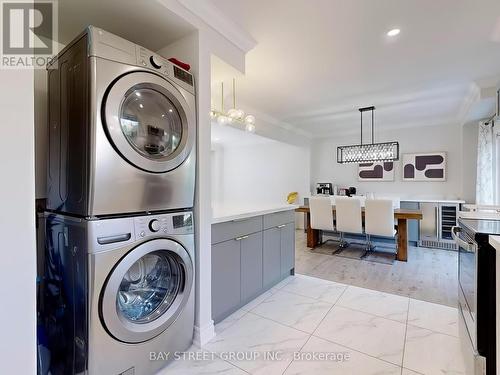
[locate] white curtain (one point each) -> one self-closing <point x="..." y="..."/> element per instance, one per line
<point x="485" y="186"/>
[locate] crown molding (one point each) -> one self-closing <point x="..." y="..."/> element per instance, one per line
<point x="269" y="120"/>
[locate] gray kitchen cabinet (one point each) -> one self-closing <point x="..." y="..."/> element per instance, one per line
<point x="278" y="218"/>
<point x="251" y="266"/>
<point x="413" y="225"/>
<point x="226" y="278"/>
<point x="272" y="256"/>
<point x="250" y="256"/>
<point x="287" y="249"/>
<point x="235" y="228"/>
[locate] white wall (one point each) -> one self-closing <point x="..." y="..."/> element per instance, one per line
<point x="324" y="166"/>
<point x="193" y="50"/>
<point x="258" y="175"/>
<point x="17" y="224"/>
<point x="469" y="160"/>
<point x="197" y="49"/>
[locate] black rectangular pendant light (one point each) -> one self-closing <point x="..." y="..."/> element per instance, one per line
<point x="370" y="152"/>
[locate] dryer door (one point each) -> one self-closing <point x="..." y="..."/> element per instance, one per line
<point x="149" y="121"/>
<point x="146" y="291"/>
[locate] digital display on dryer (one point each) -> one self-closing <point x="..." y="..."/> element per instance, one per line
<point x="181" y="221"/>
<point x="183" y="76"/>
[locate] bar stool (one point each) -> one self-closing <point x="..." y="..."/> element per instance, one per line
<point x="348" y="218"/>
<point x="379" y="220"/>
<point x="320" y="209"/>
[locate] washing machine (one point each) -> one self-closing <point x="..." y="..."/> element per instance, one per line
<point x="116" y="290"/>
<point x="122" y="129"/>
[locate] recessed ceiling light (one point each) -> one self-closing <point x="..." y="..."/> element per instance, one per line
<point x="393" y="32"/>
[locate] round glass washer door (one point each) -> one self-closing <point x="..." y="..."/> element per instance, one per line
<point x="147" y="290"/>
<point x="149" y="121"/>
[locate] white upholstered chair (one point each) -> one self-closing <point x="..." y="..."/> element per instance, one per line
<point x="348" y="217"/>
<point x="320" y="209"/>
<point x="379" y="219"/>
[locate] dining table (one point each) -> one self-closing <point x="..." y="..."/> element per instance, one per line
<point x="401" y="215"/>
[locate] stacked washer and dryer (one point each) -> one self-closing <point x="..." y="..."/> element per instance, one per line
<point x="119" y="253"/>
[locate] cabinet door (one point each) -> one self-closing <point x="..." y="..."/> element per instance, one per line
<point x="272" y="256"/>
<point x="429" y="225"/>
<point x="226" y="283"/>
<point x="287" y="249"/>
<point x="251" y="266"/>
<point x="413" y="226"/>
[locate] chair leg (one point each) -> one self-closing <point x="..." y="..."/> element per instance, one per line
<point x="343" y="244"/>
<point x="369" y="247"/>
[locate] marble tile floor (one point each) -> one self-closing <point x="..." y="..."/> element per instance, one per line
<point x="429" y="275"/>
<point x="307" y="325"/>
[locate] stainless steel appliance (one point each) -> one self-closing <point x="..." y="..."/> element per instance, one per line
<point x="122" y="129"/>
<point x="325" y="188"/>
<point x="115" y="290"/>
<point x="435" y="226"/>
<point x="477" y="293"/>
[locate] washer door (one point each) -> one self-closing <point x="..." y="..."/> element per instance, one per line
<point x="149" y="122"/>
<point x="146" y="291"/>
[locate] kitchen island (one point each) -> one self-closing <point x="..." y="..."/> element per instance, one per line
<point x="401" y="215"/>
<point x="251" y="252"/>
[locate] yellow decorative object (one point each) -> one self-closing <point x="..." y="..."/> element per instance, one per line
<point x="292" y="197"/>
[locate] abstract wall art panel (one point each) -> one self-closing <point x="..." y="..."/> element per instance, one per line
<point x="424" y="167"/>
<point x="377" y="171"/>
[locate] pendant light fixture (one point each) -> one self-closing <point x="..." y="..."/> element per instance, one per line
<point x="369" y="152"/>
<point x="235" y="114"/>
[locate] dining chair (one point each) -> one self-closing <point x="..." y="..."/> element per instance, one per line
<point x="379" y="220"/>
<point x="348" y="218"/>
<point x="320" y="209"/>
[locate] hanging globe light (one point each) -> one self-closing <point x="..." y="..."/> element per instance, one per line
<point x="250" y="119"/>
<point x="234" y="115"/>
<point x="250" y="128"/>
<point x="223" y="120"/>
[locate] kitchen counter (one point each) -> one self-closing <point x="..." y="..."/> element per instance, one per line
<point x="252" y="250"/>
<point x="495" y="242"/>
<point x="451" y="201"/>
<point x="230" y="214"/>
<point x="416" y="200"/>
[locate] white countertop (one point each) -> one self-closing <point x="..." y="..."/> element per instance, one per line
<point x="495" y="242"/>
<point x="457" y="201"/>
<point x="416" y="199"/>
<point x="221" y="215"/>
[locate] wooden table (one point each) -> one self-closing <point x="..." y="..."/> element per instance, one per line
<point x="401" y="215"/>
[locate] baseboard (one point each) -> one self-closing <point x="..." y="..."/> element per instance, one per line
<point x="202" y="335"/>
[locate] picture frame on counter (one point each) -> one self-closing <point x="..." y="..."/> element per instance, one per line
<point x="376" y="171"/>
<point x="430" y="166"/>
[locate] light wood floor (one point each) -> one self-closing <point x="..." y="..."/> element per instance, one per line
<point x="429" y="275"/>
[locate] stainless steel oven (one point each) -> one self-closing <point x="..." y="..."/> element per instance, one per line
<point x="467" y="298"/>
<point x="476" y="294"/>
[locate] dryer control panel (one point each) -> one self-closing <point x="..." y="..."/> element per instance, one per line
<point x="175" y="223"/>
<point x="153" y="61"/>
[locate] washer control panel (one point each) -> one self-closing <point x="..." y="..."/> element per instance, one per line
<point x="167" y="224"/>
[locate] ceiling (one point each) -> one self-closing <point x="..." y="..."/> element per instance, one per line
<point x="145" y="22"/>
<point x="316" y="62"/>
